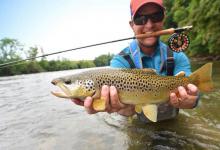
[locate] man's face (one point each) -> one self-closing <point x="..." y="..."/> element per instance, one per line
<point x="149" y="26"/>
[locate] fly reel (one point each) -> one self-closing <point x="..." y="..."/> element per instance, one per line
<point x="178" y="42"/>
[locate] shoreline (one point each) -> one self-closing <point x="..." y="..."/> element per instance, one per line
<point x="205" y="58"/>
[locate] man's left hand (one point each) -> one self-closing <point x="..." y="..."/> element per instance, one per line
<point x="186" y="98"/>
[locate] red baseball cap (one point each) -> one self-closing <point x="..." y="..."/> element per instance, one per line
<point x="136" y="4"/>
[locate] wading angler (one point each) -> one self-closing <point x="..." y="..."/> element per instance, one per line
<point x="128" y="92"/>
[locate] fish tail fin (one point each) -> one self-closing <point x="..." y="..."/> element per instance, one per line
<point x="203" y="78"/>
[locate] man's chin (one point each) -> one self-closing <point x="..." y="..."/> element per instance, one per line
<point x="149" y="45"/>
<point x="149" y="42"/>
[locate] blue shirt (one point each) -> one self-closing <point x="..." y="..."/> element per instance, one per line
<point x="156" y="60"/>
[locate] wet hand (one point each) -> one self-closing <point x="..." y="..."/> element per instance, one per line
<point x="111" y="100"/>
<point x="87" y="103"/>
<point x="115" y="105"/>
<point x="186" y="98"/>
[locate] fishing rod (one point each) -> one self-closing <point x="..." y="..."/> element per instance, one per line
<point x="175" y="31"/>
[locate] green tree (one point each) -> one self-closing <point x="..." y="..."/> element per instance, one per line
<point x="169" y="22"/>
<point x="11" y="50"/>
<point x="103" y="60"/>
<point x="205" y="18"/>
<point x="85" y="64"/>
<point x="32" y="52"/>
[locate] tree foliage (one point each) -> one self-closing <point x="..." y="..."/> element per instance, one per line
<point x="32" y="52"/>
<point x="103" y="60"/>
<point x="10" y="50"/>
<point x="205" y="18"/>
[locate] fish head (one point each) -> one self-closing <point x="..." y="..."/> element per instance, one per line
<point x="78" y="89"/>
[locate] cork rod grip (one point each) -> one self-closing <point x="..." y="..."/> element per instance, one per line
<point x="157" y="33"/>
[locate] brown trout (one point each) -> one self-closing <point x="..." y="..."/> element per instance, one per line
<point x="140" y="87"/>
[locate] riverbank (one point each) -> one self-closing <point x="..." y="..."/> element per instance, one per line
<point x="205" y="58"/>
<point x="35" y="66"/>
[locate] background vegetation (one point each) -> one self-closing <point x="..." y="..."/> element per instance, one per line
<point x="12" y="50"/>
<point x="204" y="15"/>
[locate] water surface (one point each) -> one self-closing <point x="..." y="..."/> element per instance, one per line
<point x="31" y="118"/>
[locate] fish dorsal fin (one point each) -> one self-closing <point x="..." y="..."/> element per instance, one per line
<point x="149" y="71"/>
<point x="145" y="71"/>
<point x="150" y="111"/>
<point x="180" y="74"/>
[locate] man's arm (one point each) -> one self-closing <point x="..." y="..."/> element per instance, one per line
<point x="182" y="63"/>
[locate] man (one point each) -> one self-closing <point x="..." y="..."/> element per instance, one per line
<point x="147" y="16"/>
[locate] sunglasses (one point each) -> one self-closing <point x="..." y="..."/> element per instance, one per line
<point x="142" y="19"/>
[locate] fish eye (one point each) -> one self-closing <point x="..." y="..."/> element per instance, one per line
<point x="68" y="81"/>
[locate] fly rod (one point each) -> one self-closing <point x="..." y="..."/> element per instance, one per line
<point x="139" y="36"/>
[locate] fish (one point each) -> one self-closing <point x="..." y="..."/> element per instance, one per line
<point x="143" y="88"/>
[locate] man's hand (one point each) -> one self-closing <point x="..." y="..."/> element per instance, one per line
<point x="186" y="98"/>
<point x="113" y="104"/>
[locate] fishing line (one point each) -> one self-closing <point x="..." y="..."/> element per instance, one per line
<point x="146" y="35"/>
<point x="58" y="52"/>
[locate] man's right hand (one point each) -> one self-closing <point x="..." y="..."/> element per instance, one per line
<point x="113" y="104"/>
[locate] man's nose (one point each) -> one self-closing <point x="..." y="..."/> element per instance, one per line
<point x="149" y="24"/>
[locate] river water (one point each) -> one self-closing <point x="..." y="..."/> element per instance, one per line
<point x="31" y="118"/>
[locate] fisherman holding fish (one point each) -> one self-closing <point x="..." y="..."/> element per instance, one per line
<point x="148" y="16"/>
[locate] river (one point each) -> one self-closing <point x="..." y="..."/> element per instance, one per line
<point x="31" y="118"/>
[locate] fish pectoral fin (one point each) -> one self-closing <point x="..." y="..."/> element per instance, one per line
<point x="150" y="111"/>
<point x="59" y="94"/>
<point x="99" y="104"/>
<point x="138" y="108"/>
<point x="180" y="74"/>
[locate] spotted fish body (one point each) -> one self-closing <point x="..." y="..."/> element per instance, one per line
<point x="133" y="86"/>
<point x="138" y="87"/>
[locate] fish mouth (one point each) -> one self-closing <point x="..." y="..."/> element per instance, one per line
<point x="65" y="91"/>
<point x="69" y="91"/>
<point x="60" y="95"/>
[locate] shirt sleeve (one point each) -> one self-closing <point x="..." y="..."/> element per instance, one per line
<point x="182" y="63"/>
<point x="119" y="62"/>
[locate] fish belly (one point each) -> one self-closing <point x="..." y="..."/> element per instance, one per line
<point x="134" y="98"/>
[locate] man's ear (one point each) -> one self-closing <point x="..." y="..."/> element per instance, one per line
<point x="131" y="24"/>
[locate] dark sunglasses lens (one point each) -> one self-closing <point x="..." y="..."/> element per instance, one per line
<point x="157" y="17"/>
<point x="140" y="20"/>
